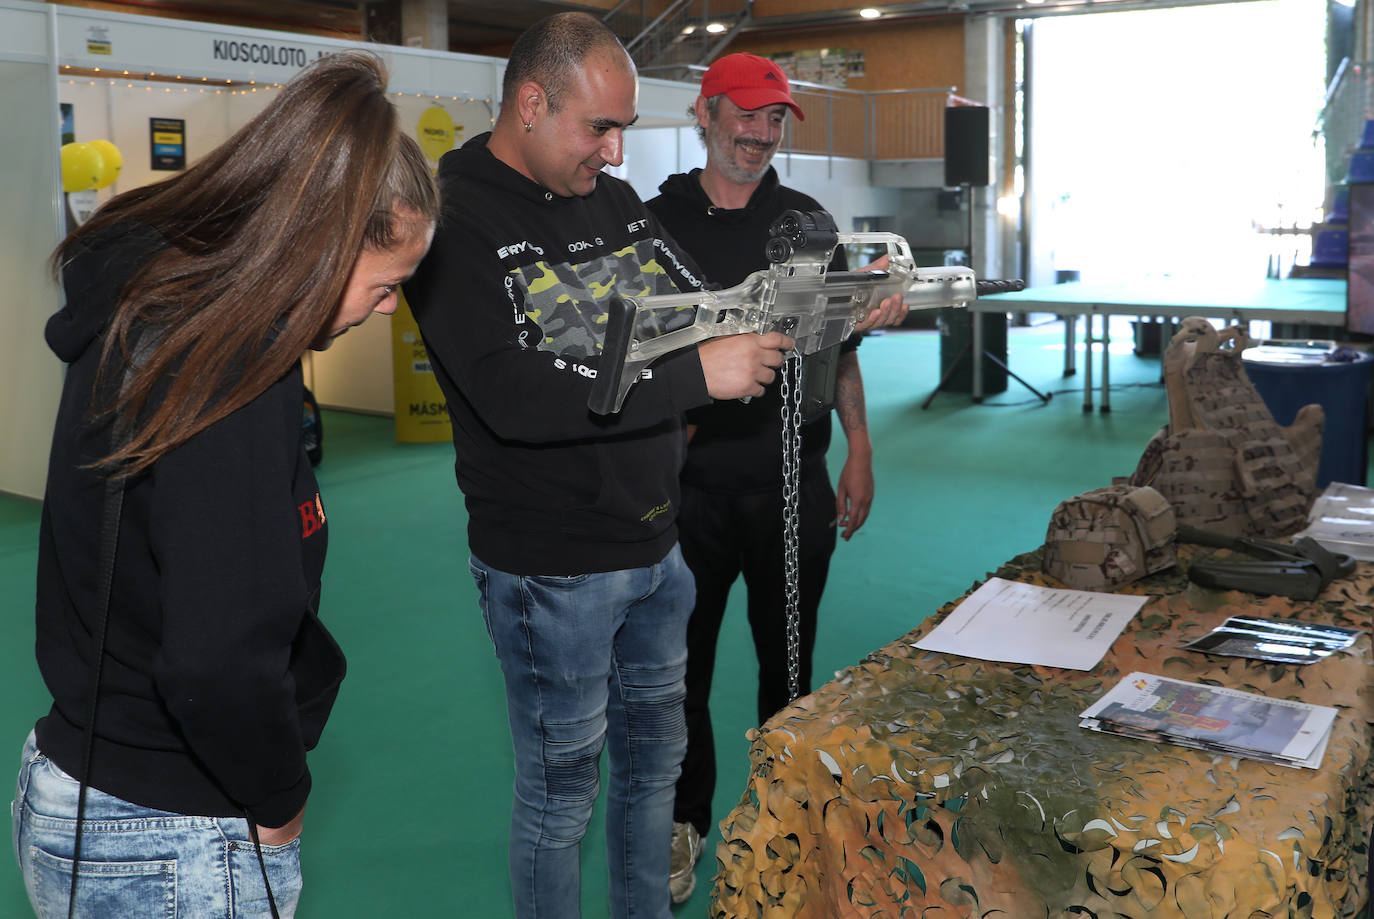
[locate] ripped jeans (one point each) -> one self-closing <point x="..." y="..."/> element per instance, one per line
<point x="587" y="659"/>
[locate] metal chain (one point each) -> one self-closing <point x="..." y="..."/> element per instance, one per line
<point x="791" y="491"/>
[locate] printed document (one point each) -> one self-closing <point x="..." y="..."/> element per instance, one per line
<point x="1025" y="624"/>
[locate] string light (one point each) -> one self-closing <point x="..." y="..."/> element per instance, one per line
<point x="228" y="85"/>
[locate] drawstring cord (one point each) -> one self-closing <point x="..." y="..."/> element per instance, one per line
<point x="257" y="847"/>
<point x="109" y="542"/>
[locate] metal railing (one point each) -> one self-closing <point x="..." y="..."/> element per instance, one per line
<point x="669" y="39"/>
<point x="665" y="37"/>
<point x="894" y="124"/>
<point x="1349" y="104"/>
<point x="908" y="124"/>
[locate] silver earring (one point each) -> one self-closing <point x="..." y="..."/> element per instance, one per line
<point x="529" y="126"/>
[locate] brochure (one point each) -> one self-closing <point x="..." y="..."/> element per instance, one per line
<point x="1283" y="641"/>
<point x="1214" y="719"/>
<point x="1342" y="520"/>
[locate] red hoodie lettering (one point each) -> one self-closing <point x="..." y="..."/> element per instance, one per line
<point x="312" y="517"/>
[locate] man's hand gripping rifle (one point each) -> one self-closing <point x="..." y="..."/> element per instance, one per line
<point x="795" y="295"/>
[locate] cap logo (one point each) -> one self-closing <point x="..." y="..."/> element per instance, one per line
<point x="769" y="76"/>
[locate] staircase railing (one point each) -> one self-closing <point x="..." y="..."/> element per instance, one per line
<point x="665" y="37"/>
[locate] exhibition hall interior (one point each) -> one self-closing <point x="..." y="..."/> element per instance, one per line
<point x="1102" y="645"/>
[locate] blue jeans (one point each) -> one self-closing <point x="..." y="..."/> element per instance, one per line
<point x="589" y="658"/>
<point x="136" y="861"/>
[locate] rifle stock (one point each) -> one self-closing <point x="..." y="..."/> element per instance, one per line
<point x="795" y="295"/>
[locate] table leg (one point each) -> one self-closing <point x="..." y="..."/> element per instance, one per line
<point x="1070" y="354"/>
<point x="1106" y="365"/>
<point x="1088" y="362"/>
<point x="976" y="338"/>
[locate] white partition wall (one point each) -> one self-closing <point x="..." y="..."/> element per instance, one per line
<point x="30" y="376"/>
<point x="112" y="70"/>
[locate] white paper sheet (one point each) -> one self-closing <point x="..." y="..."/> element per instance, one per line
<point x="1024" y="624"/>
<point x="1342" y="520"/>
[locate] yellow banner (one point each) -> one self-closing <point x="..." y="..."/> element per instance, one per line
<point x="421" y="410"/>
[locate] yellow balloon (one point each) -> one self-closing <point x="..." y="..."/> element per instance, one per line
<point x="435" y="132"/>
<point x="113" y="162"/>
<point x="82" y="165"/>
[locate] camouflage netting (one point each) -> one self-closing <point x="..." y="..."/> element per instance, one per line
<point x="919" y="784"/>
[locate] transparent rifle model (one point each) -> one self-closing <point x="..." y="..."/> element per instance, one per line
<point x="798" y="296"/>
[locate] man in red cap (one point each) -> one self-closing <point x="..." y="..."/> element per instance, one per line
<point x="732" y="496"/>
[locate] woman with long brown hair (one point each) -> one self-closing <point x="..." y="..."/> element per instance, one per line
<point x="183" y="535"/>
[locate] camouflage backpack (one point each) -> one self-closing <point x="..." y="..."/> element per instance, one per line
<point x="1110" y="536"/>
<point x="1222" y="461"/>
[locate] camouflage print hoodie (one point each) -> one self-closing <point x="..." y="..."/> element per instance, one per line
<point x="511" y="301"/>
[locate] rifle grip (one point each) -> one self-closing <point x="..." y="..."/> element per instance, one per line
<point x="605" y="394"/>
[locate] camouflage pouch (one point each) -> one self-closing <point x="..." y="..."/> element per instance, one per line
<point x="1222" y="461"/>
<point x="1109" y="536"/>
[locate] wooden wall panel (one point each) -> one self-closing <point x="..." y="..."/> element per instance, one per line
<point x="920" y="54"/>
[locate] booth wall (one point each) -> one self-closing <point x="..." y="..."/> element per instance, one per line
<point x="32" y="375"/>
<point x="38" y="43"/>
<point x="120" y="113"/>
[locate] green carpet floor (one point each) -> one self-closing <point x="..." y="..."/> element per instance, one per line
<point x="412" y="780"/>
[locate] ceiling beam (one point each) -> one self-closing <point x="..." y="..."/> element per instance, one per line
<point x="929" y="9"/>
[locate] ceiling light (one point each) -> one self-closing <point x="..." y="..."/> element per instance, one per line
<point x="869" y="12"/>
<point x="689" y="30"/>
<point x="715" y="28"/>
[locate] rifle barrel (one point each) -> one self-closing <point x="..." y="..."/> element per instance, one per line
<point x="1000" y="287"/>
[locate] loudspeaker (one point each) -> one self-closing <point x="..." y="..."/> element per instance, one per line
<point x="966" y="145"/>
<point x="956" y="334"/>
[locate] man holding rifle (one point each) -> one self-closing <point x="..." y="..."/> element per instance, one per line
<point x="732" y="489"/>
<point x="571" y="516"/>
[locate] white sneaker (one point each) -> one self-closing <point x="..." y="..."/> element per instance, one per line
<point x="686" y="852"/>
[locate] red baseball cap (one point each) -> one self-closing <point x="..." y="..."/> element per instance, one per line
<point x="750" y="81"/>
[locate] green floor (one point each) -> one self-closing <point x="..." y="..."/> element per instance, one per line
<point x="412" y="780"/>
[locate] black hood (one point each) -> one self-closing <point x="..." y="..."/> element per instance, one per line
<point x="475" y="161"/>
<point x="93" y="280"/>
<point x="686" y="191"/>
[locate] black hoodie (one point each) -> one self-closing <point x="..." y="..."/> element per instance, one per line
<point x="735" y="449"/>
<point x="218" y="676"/>
<point x="511" y="301"/>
